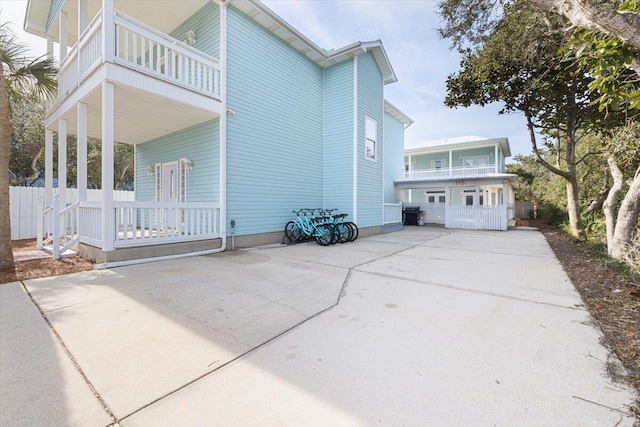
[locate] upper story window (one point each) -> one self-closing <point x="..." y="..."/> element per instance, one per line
<point x="475" y="161"/>
<point x="370" y="139"/>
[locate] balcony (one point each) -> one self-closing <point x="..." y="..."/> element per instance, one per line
<point x="162" y="85"/>
<point x="141" y="48"/>
<point x="450" y="172"/>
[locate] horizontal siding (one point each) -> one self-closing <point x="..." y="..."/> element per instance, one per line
<point x="206" y="24"/>
<point x="274" y="139"/>
<point x="200" y="144"/>
<point x="393" y="152"/>
<point x="338" y="137"/>
<point x="370" y="103"/>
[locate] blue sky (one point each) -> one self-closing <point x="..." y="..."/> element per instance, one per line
<point x="420" y="59"/>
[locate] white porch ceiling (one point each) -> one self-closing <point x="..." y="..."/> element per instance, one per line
<point x="139" y="115"/>
<point x="164" y="16"/>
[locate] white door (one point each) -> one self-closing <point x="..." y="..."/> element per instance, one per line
<point x="170" y="192"/>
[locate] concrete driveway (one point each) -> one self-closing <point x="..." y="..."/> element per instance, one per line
<point x="421" y="327"/>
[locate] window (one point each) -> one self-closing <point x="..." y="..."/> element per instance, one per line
<point x="370" y="139"/>
<point x="432" y="199"/>
<point x="475" y="161"/>
<point x="438" y="165"/>
<point x="469" y="200"/>
<point x="441" y="199"/>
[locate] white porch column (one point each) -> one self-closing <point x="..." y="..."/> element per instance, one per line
<point x="450" y="162"/>
<point x="82" y="151"/>
<point x="495" y="160"/>
<point x="82" y="16"/>
<point x="49" y="47"/>
<point x="107" y="220"/>
<point x="108" y="30"/>
<point x="62" y="162"/>
<point x="476" y="196"/>
<point x="62" y="34"/>
<point x="48" y="166"/>
<point x="410" y="171"/>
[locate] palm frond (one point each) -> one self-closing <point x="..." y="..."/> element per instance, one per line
<point x="25" y="77"/>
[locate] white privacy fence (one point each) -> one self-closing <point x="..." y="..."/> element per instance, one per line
<point x="24" y="207"/>
<point x="477" y="217"/>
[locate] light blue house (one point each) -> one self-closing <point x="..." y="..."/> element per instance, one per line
<point x="460" y="182"/>
<point x="234" y="116"/>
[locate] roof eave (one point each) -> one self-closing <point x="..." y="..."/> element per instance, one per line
<point x="397" y="114"/>
<point x="29" y="25"/>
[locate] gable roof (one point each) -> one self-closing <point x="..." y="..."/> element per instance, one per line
<point x="38" y="13"/>
<point x="466" y="141"/>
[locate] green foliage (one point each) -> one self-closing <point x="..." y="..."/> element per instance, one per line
<point x="608" y="60"/>
<point x="27" y="145"/>
<point x="24" y="77"/>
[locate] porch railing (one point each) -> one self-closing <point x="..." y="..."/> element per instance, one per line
<point x="392" y="213"/>
<point x="142" y="48"/>
<point x="457" y="171"/>
<point x="151" y="223"/>
<point x="58" y="228"/>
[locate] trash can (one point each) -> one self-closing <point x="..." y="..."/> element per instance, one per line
<point x="410" y="216"/>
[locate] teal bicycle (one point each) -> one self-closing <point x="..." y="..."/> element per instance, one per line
<point x="326" y="229"/>
<point x="307" y="227"/>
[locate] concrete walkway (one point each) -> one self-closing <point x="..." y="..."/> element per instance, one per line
<point x="421" y="327"/>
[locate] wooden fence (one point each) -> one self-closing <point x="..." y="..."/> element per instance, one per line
<point x="24" y="207"/>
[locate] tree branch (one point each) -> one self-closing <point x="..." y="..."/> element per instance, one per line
<point x="609" y="204"/>
<point x="35" y="173"/>
<point x="590" y="153"/>
<point x="536" y="152"/>
<point x="596" y="16"/>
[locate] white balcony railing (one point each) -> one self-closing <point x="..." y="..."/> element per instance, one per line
<point x="444" y="172"/>
<point x="142" y="48"/>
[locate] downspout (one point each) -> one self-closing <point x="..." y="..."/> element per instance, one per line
<point x="223" y="126"/>
<point x="355" y="140"/>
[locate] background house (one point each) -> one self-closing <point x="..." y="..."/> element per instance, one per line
<point x="460" y="182"/>
<point x="234" y="115"/>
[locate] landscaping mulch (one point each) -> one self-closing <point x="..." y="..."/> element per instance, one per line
<point x="611" y="293"/>
<point x="40" y="267"/>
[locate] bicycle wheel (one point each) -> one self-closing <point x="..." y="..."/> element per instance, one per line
<point x="324" y="234"/>
<point x="354" y="231"/>
<point x="293" y="232"/>
<point x="343" y="232"/>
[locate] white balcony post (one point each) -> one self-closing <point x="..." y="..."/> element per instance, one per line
<point x="108" y="229"/>
<point x="49" y="47"/>
<point x="63" y="35"/>
<point x="62" y="162"/>
<point x="495" y="160"/>
<point x="108" y="31"/>
<point x="450" y="163"/>
<point x="82" y="16"/>
<point x="48" y="166"/>
<point x="410" y="167"/>
<point x="82" y="151"/>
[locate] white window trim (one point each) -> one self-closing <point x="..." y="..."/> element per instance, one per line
<point x="367" y="139"/>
